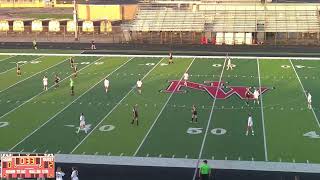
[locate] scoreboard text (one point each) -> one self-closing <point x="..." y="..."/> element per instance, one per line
<point x="27" y="166"/>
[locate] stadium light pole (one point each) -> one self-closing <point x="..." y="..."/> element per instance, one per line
<point x="75" y="20"/>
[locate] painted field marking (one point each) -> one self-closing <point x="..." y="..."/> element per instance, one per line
<point x="262" y="116"/>
<point x="7" y="58"/>
<point x="314" y="114"/>
<point x="208" y="124"/>
<point x="163" y="107"/>
<point x="68" y="104"/>
<point x="34" y="74"/>
<point x="87" y="135"/>
<point x="40" y="93"/>
<point x="20" y="66"/>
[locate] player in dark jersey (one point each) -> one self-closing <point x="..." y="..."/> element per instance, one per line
<point x="18" y="70"/>
<point x="170" y="58"/>
<point x="71" y="62"/>
<point x="93" y="45"/>
<point x="248" y="95"/>
<point x="135" y="114"/>
<point x="56" y="81"/>
<point x="75" y="71"/>
<point x="194" y="114"/>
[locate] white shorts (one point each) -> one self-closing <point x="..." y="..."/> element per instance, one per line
<point x="106" y="87"/>
<point x="82" y="123"/>
<point x="250" y="125"/>
<point x="45" y="84"/>
<point x="186" y="79"/>
<point x="309" y="102"/>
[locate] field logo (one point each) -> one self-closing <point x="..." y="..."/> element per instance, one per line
<point x="215" y="89"/>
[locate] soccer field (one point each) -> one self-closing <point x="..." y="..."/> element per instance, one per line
<point x="33" y="120"/>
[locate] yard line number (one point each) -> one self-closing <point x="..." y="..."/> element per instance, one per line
<point x="3" y="124"/>
<point x="215" y="131"/>
<point x="312" y="134"/>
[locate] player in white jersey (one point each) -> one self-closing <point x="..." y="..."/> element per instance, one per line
<point x="74" y="174"/>
<point x="250" y="125"/>
<point x="309" y="99"/>
<point x="82" y="124"/>
<point x="59" y="174"/>
<point x="45" y="83"/>
<point x="106" y="84"/>
<point x="139" y="86"/>
<point x="256" y="95"/>
<point x="185" y="78"/>
<point x="229" y="64"/>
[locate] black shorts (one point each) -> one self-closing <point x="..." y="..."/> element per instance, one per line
<point x="195" y="113"/>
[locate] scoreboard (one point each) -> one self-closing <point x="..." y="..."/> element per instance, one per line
<point x="27" y="166"/>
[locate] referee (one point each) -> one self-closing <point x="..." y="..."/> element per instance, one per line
<point x="204" y="171"/>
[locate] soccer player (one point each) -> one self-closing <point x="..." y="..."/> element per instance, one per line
<point x="74" y="174"/>
<point x="170" y="58"/>
<point x="194" y="117"/>
<point x="82" y="124"/>
<point x="250" y="125"/>
<point x="256" y="95"/>
<point x="93" y="45"/>
<point x="72" y="87"/>
<point x="135" y="114"/>
<point x="59" y="174"/>
<point x="71" y="62"/>
<point x="248" y="95"/>
<point x="185" y="78"/>
<point x="18" y="70"/>
<point x="106" y="84"/>
<point x="309" y="99"/>
<point x="75" y="70"/>
<point x="56" y="81"/>
<point x="139" y="86"/>
<point x="34" y="44"/>
<point x="229" y="64"/>
<point x="45" y="83"/>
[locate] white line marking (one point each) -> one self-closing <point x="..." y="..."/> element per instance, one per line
<point x="46" y="151"/>
<point x="40" y="94"/>
<point x="68" y="104"/>
<point x="20" y="66"/>
<point x="121" y="154"/>
<point x="58" y="152"/>
<point x="212" y="158"/>
<point x="208" y="124"/>
<point x="7" y="58"/>
<point x="34" y="74"/>
<point x="109" y="153"/>
<point x="147" y="155"/>
<point x="160" y="155"/>
<point x="22" y="150"/>
<point x="163" y="107"/>
<point x="114" y="108"/>
<point x="186" y="156"/>
<point x="314" y="114"/>
<point x="34" y="150"/>
<point x="96" y="153"/>
<point x="173" y="156"/>
<point x="262" y="116"/>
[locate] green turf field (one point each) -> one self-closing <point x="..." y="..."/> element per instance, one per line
<point x="33" y="120"/>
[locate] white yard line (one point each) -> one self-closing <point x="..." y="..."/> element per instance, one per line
<point x="7" y="58"/>
<point x="69" y="103"/>
<point x="262" y="116"/>
<point x="20" y="65"/>
<point x="304" y="92"/>
<point x="208" y="125"/>
<point x="163" y="107"/>
<point x="45" y="91"/>
<point x="34" y="74"/>
<point x="159" y="56"/>
<point x="113" y="108"/>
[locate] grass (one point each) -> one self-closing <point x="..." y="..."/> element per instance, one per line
<point x="33" y="120"/>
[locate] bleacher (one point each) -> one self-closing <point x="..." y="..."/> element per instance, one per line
<point x="227" y="17"/>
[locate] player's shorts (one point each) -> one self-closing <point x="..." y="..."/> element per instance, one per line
<point x="250" y="125"/>
<point x="195" y="113"/>
<point x="139" y="87"/>
<point x="45" y="84"/>
<point x="186" y="79"/>
<point x="82" y="123"/>
<point x="248" y="95"/>
<point x="255" y="97"/>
